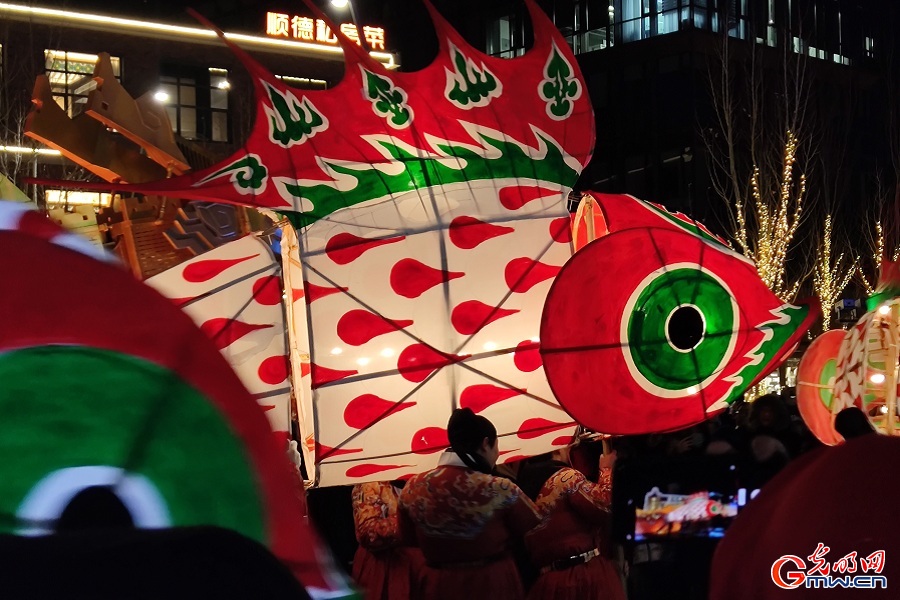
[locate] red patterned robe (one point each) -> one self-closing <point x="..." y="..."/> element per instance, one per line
<point x="573" y="508"/>
<point x="382" y="566"/>
<point x="464" y="522"/>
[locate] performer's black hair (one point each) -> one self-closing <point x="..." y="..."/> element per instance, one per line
<point x="466" y="431"/>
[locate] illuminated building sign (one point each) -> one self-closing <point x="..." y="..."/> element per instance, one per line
<point x="305" y="29"/>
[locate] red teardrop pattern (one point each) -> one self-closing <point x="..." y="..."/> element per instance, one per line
<point x="365" y="410"/>
<point x="204" y="270"/>
<point x="417" y="361"/>
<point x="479" y="397"/>
<point x="267" y="290"/>
<point x="471" y="316"/>
<point x="561" y="230"/>
<point x="514" y="198"/>
<point x="411" y="278"/>
<point x="522" y="274"/>
<point x="429" y="440"/>
<point x="563" y="440"/>
<point x="323" y="451"/>
<point x="367" y="469"/>
<point x="274" y="369"/>
<point x="314" y="292"/>
<point x="304" y="369"/>
<point x="527" y="356"/>
<point x="267" y="407"/>
<point x="536" y="427"/>
<point x="323" y="375"/>
<point x="468" y="232"/>
<point x="297" y="293"/>
<point x="358" y="327"/>
<point x="223" y="331"/>
<point x="344" y="248"/>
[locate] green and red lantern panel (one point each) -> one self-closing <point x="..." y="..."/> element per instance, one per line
<point x="657" y="325"/>
<point x="860" y="359"/>
<point x="106" y="383"/>
<point x="816" y="376"/>
<point x="862" y="376"/>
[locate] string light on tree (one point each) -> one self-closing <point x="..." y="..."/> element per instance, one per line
<point x="830" y="277"/>
<point x="776" y="222"/>
<point x="879" y="248"/>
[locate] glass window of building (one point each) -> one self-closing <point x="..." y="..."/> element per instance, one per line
<point x="506" y="37"/>
<point x="304" y="83"/>
<point x="71" y="77"/>
<point x="56" y="198"/>
<point x="823" y="29"/>
<point x="196" y="101"/>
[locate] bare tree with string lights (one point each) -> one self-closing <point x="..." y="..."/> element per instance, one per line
<point x="754" y="148"/>
<point x="831" y="275"/>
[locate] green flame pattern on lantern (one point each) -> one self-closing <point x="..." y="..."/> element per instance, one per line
<point x="499" y="157"/>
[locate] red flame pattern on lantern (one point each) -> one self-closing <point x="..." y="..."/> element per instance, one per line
<point x="267" y="290"/>
<point x="363" y="411"/>
<point x="358" y="327"/>
<point x="479" y="397"/>
<point x="314" y="292"/>
<point x="322" y="375"/>
<point x="224" y="332"/>
<point x="527" y="356"/>
<point x="429" y="440"/>
<point x="522" y="274"/>
<point x="418" y="361"/>
<point x="532" y="428"/>
<point x="367" y="469"/>
<point x="274" y="369"/>
<point x="514" y="198"/>
<point x="471" y="316"/>
<point x="204" y="270"/>
<point x="411" y="278"/>
<point x="561" y="230"/>
<point x="344" y="248"/>
<point x="323" y="451"/>
<point x="468" y="232"/>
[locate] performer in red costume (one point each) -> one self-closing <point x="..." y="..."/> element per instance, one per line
<point x="465" y="519"/>
<point x="566" y="546"/>
<point x="382" y="566"/>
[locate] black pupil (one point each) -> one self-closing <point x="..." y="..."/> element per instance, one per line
<point x="685" y="329"/>
<point x="96" y="507"/>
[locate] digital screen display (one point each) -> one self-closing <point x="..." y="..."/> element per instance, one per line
<point x="699" y="514"/>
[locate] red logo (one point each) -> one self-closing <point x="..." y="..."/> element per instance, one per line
<point x="788" y="580"/>
<point x="790" y="572"/>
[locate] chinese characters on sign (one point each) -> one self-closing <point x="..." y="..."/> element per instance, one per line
<point x="305" y="29"/>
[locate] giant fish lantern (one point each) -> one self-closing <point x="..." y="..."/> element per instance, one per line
<point x="430" y="219"/>
<point x="855" y="368"/>
<point x="655" y="323"/>
<point x="106" y="384"/>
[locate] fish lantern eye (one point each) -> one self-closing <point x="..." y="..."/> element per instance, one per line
<point x="680" y="329"/>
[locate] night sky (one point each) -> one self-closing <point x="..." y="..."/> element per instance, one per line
<point x="407" y="25"/>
